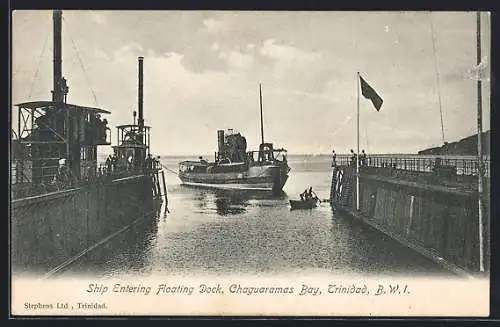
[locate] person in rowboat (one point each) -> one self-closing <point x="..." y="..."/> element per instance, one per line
<point x="312" y="195"/>
<point x="308" y="194"/>
<point x="304" y="196"/>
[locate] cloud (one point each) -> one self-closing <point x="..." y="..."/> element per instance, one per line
<point x="214" y="26"/>
<point x="183" y="106"/>
<point x="129" y="50"/>
<point x="237" y="59"/>
<point x="98" y="17"/>
<point x="287" y="53"/>
<point x="215" y="46"/>
<point x="299" y="69"/>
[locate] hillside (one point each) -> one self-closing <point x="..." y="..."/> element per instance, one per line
<point x="465" y="146"/>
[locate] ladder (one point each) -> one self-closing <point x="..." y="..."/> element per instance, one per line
<point x="341" y="188"/>
<point x="346" y="192"/>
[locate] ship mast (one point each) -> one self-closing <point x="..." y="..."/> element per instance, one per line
<point x="479" y="144"/>
<point x="261" y="117"/>
<point x="140" y="99"/>
<point x="436" y="65"/>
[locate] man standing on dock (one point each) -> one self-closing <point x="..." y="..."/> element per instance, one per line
<point x="149" y="164"/>
<point x="157" y="163"/>
<point x="362" y="158"/>
<point x="334" y="159"/>
<point x="108" y="165"/>
<point x="354" y="158"/>
<point x="114" y="161"/>
<point x="63" y="177"/>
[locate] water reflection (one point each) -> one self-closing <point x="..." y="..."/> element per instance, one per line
<point x="134" y="244"/>
<point x="230" y="206"/>
<point x="229" y="202"/>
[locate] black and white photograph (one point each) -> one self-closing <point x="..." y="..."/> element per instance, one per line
<point x="253" y="163"/>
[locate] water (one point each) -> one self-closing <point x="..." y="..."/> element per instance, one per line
<point x="210" y="231"/>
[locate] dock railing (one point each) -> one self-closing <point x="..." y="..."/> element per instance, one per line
<point x="458" y="165"/>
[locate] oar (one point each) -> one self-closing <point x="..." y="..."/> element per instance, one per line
<point x="316" y="196"/>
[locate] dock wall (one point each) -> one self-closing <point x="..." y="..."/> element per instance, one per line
<point x="441" y="222"/>
<point x="49" y="229"/>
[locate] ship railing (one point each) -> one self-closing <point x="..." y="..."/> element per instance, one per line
<point x="276" y="154"/>
<point x="462" y="166"/>
<point x="104" y="171"/>
<point x="20" y="171"/>
<point x="281" y="150"/>
<point x="46" y="183"/>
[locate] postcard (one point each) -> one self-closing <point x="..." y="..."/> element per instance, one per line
<point x="250" y="163"/>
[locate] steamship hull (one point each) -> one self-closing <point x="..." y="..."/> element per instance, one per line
<point x="262" y="178"/>
<point x="236" y="168"/>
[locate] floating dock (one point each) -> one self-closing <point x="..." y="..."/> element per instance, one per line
<point x="433" y="210"/>
<point x="63" y="202"/>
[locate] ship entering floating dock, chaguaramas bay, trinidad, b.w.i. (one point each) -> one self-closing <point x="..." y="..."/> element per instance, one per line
<point x="236" y="168"/>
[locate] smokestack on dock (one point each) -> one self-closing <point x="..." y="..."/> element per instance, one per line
<point x="57" y="93"/>
<point x="261" y="118"/>
<point x="220" y="139"/>
<point x="140" y="98"/>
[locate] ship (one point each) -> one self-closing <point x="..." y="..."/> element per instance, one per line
<point x="265" y="169"/>
<point x="63" y="201"/>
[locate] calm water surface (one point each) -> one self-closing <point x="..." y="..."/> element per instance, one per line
<point x="252" y="232"/>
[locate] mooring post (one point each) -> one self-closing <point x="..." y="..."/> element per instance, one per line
<point x="153" y="185"/>
<point x="164" y="186"/>
<point x="158" y="184"/>
<point x="332" y="186"/>
<point x="165" y="190"/>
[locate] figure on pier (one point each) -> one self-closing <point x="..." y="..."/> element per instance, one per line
<point x="354" y="158"/>
<point x="63" y="178"/>
<point x="149" y="163"/>
<point x="362" y="159"/>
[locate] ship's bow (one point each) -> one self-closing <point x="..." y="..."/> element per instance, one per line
<point x="280" y="176"/>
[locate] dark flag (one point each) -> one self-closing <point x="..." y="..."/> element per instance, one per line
<point x="369" y="93"/>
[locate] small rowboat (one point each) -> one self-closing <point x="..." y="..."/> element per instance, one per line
<point x="304" y="204"/>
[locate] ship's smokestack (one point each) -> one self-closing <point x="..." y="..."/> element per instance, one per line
<point x="220" y="139"/>
<point x="57" y="92"/>
<point x="140" y="98"/>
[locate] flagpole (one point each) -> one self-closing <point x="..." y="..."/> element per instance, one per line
<point x="479" y="146"/>
<point x="261" y="116"/>
<point x="357" y="135"/>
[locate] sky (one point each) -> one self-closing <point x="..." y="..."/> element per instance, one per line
<point x="202" y="71"/>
